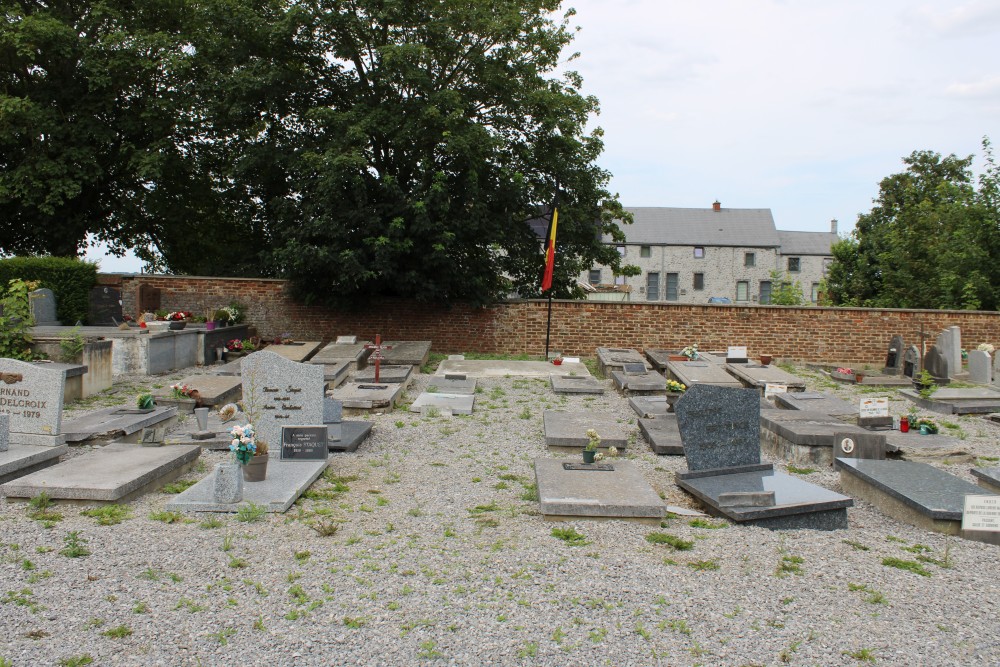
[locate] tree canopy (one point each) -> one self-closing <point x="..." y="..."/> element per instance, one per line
<point x="358" y="147"/>
<point x="932" y="240"/>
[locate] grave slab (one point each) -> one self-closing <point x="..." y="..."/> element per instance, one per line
<point x="650" y="406"/>
<point x="118" y="472"/>
<point x="478" y="368"/>
<point x="297" y="351"/>
<point x="658" y="358"/>
<point x="913" y="446"/>
<point x="352" y="434"/>
<point x="571" y="384"/>
<point x="363" y="396"/>
<point x="116" y="423"/>
<point x="214" y="391"/>
<point x="988" y="478"/>
<point x="621" y="493"/>
<point x="391" y="374"/>
<point x="185" y="435"/>
<point x="639" y="383"/>
<point x="816" y="401"/>
<point x="757" y="376"/>
<point x="413" y="353"/>
<point x="20" y="460"/>
<point x="614" y="358"/>
<point x="458" y="404"/>
<point x="446" y="385"/>
<point x="285" y="482"/>
<point x="802" y="436"/>
<point x="356" y="354"/>
<point x="914" y="493"/>
<point x="700" y="371"/>
<point x="569" y="429"/>
<point x="662" y="434"/>
<point x="948" y="401"/>
<point x="336" y="374"/>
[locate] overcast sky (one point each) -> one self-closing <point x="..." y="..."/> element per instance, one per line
<point x="800" y="106"/>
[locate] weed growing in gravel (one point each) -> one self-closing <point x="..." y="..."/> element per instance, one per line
<point x="355" y="622"/>
<point x="190" y="605"/>
<point x="74" y="545"/>
<point x="109" y="515"/>
<point x="789" y="565"/>
<point x="670" y="540"/>
<point x="570" y="536"/>
<point x="35" y="577"/>
<point x="178" y="487"/>
<point x="675" y="624"/>
<point x="211" y="522"/>
<point x="76" y="660"/>
<point x="167" y="516"/>
<point x="22" y="598"/>
<point x="223" y="635"/>
<point x="800" y="471"/>
<point x="908" y="565"/>
<point x="428" y="650"/>
<point x="873" y="596"/>
<point x="238" y="563"/>
<point x="325" y="528"/>
<point x="251" y="513"/>
<point x="140" y="608"/>
<point x="861" y="655"/>
<point x="857" y="546"/>
<point x="119" y="632"/>
<point x="530" y="493"/>
<point x="40" y="505"/>
<point x="703" y="565"/>
<point x="227" y="542"/>
<point x="707" y="524"/>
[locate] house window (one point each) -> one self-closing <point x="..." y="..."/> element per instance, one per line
<point x="671" y="291"/>
<point x="644" y="251"/>
<point x="619" y="280"/>
<point x="765" y="291"/>
<point x="793" y="264"/>
<point x="621" y="250"/>
<point x="749" y="259"/>
<point x="742" y="290"/>
<point x="699" y="281"/>
<point x="595" y="276"/>
<point x="699" y="252"/>
<point x="814" y="297"/>
<point x="652" y="286"/>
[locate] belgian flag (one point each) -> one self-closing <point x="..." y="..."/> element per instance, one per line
<point x="550" y="249"/>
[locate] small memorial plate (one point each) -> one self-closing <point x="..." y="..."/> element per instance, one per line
<point x="304" y="443"/>
<point x="594" y="467"/>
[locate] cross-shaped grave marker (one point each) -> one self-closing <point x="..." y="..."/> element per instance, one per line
<point x="376" y="354"/>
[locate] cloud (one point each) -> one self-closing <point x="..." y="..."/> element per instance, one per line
<point x="975" y="17"/>
<point x="985" y="87"/>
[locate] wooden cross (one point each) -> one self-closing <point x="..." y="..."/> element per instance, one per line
<point x="376" y="354"/>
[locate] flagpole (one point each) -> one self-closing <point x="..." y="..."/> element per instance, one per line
<point x="550" y="253"/>
<point x="548" y="327"/>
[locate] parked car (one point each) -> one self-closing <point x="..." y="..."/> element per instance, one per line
<point x="719" y="299"/>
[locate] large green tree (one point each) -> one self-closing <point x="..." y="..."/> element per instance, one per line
<point x="932" y="240"/>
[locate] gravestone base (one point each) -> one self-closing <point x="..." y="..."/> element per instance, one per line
<point x="572" y="384"/>
<point x="569" y="429"/>
<point x="622" y="493"/>
<point x="802" y="436"/>
<point x="988" y="478"/>
<point x="639" y="384"/>
<point x="116" y="473"/>
<point x="391" y="374"/>
<point x="957" y="401"/>
<point x="777" y="447"/>
<point x="20" y="460"/>
<point x="352" y="434"/>
<point x="285" y="482"/>
<point x="457" y="404"/>
<point x="359" y="396"/>
<point x="662" y="434"/>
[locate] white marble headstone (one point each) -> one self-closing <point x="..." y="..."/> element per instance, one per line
<point x="980" y="367"/>
<point x="32" y="394"/>
<point x="278" y="392"/>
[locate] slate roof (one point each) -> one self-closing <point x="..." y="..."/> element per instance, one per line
<point x="740" y="227"/>
<point x="807" y="243"/>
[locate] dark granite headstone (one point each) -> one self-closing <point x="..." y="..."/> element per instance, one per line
<point x="911" y="361"/>
<point x="859" y="445"/>
<point x="148" y="300"/>
<point x="937" y="364"/>
<point x="894" y="356"/>
<point x="105" y="307"/>
<point x="720" y="426"/>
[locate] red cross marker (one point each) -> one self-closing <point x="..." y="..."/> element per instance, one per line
<point x="376" y="354"/>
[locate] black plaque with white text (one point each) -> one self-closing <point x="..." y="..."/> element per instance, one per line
<point x="304" y="443"/>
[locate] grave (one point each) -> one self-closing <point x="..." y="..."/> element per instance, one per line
<point x="914" y="493"/>
<point x="456" y="404"/>
<point x="736" y="354"/>
<point x="662" y="434"/>
<point x="476" y="368"/>
<point x="700" y="371"/>
<point x="911" y="362"/>
<point x="637" y="379"/>
<point x="651" y="406"/>
<point x="32" y="395"/>
<point x="817" y="401"/>
<point x="186" y="435"/>
<point x="988" y="478"/>
<point x="938" y="365"/>
<point x="720" y="429"/>
<point x="594" y="492"/>
<point x="949" y="344"/>
<point x="802" y="436"/>
<point x="758" y="376"/>
<point x="913" y="446"/>
<point x="980" y="367"/>
<point x="391" y="374"/>
<point x="569" y="429"/>
<point x="336" y="374"/>
<point x="963" y="401"/>
<point x="345" y="436"/>
<point x="296" y="351"/>
<point x="42" y="303"/>
<point x="104" y="307"/>
<point x="278" y="392"/>
<point x="285" y="482"/>
<point x="894" y="356"/>
<point x="117" y="423"/>
<point x="368" y="396"/>
<point x="572" y="384"/>
<point x="414" y="353"/>
<point x="613" y="358"/>
<point x="147" y="299"/>
<point x="213" y="391"/>
<point x="455" y="384"/>
<point x="356" y="354"/>
<point x="859" y="445"/>
<point x="659" y="358"/>
<point x="116" y="473"/>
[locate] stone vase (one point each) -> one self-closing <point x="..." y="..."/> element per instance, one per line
<point x="256" y="469"/>
<point x="177" y="325"/>
<point x="201" y="414"/>
<point x="228" y="488"/>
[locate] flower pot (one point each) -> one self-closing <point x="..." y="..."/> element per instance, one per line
<point x="677" y="357"/>
<point x="256" y="469"/>
<point x="588" y="455"/>
<point x="209" y="326"/>
<point x="765" y="360"/>
<point x="925" y="429"/>
<point x="557" y="362"/>
<point x="859" y="377"/>
<point x="177" y="325"/>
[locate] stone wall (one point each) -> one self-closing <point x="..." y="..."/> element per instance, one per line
<point x="834" y="335"/>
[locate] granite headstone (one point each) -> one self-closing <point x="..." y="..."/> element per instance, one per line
<point x="894" y="356"/>
<point x="32" y="394"/>
<point x="43" y="307"/>
<point x="980" y="367"/>
<point x="937" y="364"/>
<point x="4" y="432"/>
<point x="720" y="426"/>
<point x="333" y="417"/>
<point x="105" y="306"/>
<point x="911" y="361"/>
<point x="278" y="392"/>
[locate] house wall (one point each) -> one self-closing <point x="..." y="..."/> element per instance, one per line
<point x="833" y="335"/>
<point x="811" y="271"/>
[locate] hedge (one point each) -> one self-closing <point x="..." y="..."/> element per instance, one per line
<point x="69" y="279"/>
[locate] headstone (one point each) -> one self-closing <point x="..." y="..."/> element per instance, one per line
<point x="333" y="416"/>
<point x="955" y="362"/>
<point x="894" y="356"/>
<point x="148" y="299"/>
<point x="43" y="307"/>
<point x="347" y="340"/>
<point x="736" y="354"/>
<point x="937" y="364"/>
<point x="32" y="395"/>
<point x="304" y="443"/>
<point x="105" y="306"/>
<point x="720" y="426"/>
<point x="911" y="362"/>
<point x="945" y="345"/>
<point x="4" y="432"/>
<point x="278" y="392"/>
<point x="873" y="412"/>
<point x="859" y="445"/>
<point x="980" y="367"/>
<point x="228" y="487"/>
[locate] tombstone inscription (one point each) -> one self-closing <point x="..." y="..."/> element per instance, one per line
<point x="278" y="392"/>
<point x="304" y="443"/>
<point x="32" y="395"/>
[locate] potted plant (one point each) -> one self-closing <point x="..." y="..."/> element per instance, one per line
<point x="234" y="348"/>
<point x="765" y="359"/>
<point x="926" y="426"/>
<point x="250" y="453"/>
<point x="178" y="319"/>
<point x="691" y="351"/>
<point x="593" y="442"/>
<point x="145" y="401"/>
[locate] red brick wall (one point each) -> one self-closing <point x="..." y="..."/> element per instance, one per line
<point x="836" y="335"/>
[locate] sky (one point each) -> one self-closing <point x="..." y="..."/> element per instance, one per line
<point x="799" y="106"/>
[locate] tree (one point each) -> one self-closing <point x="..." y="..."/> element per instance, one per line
<point x="785" y="291"/>
<point x="445" y="136"/>
<point x="931" y="241"/>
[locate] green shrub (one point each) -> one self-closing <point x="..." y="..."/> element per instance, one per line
<point x="69" y="279"/>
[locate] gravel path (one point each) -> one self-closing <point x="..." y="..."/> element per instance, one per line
<point x="440" y="556"/>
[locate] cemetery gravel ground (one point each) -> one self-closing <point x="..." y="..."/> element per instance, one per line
<point x="440" y="556"/>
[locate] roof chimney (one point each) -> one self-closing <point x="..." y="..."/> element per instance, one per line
<point x="716" y="206"/>
<point x="833" y="226"/>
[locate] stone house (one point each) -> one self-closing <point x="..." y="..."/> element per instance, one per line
<point x="691" y="255"/>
